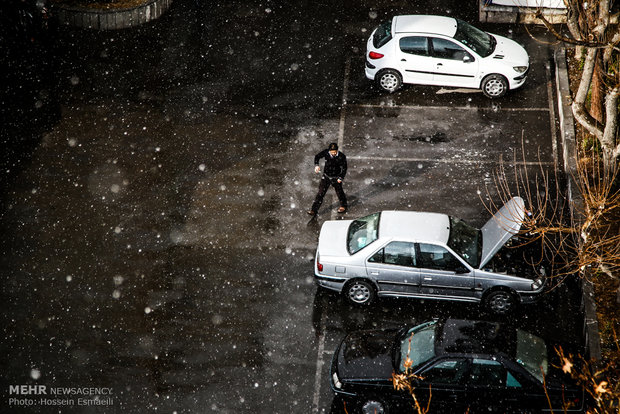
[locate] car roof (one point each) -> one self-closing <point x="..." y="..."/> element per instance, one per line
<point x="424" y="24"/>
<point x="415" y="225"/>
<point x="475" y="337"/>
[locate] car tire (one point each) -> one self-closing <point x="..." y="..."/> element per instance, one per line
<point x="500" y="302"/>
<point x="372" y="406"/>
<point x="494" y="86"/>
<point x="360" y="292"/>
<point x="389" y="80"/>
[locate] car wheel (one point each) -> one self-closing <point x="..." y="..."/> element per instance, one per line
<point x="500" y="302"/>
<point x="389" y="80"/>
<point x="373" y="406"/>
<point x="494" y="86"/>
<point x="360" y="292"/>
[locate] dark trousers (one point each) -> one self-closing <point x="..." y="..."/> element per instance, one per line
<point x="323" y="187"/>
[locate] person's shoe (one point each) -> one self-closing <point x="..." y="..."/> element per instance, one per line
<point x="342" y="210"/>
<point x="312" y="212"/>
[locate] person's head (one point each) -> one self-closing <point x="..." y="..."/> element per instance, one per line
<point x="333" y="149"/>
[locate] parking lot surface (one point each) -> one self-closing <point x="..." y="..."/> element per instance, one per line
<point x="156" y="239"/>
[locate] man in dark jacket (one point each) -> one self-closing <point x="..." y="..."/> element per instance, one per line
<point x="333" y="174"/>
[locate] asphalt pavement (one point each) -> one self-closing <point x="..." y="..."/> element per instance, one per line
<point x="154" y="230"/>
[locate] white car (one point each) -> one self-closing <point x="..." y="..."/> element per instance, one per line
<point x="443" y="51"/>
<point x="430" y="256"/>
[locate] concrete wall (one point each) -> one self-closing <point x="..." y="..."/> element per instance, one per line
<point x="110" y="19"/>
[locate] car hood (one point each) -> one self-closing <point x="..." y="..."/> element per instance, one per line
<point x="366" y="355"/>
<point x="509" y="51"/>
<point x="501" y="227"/>
<point x="333" y="238"/>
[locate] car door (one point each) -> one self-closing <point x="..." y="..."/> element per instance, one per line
<point x="442" y="274"/>
<point x="394" y="268"/>
<point x="493" y="386"/>
<point x="453" y="65"/>
<point x="443" y="382"/>
<point x="413" y="56"/>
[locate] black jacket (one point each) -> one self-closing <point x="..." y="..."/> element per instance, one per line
<point x="335" y="167"/>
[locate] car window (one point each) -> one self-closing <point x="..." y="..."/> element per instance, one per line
<point x="474" y="38"/>
<point x="362" y="232"/>
<point x="437" y="257"/>
<point x="383" y="34"/>
<point x="417" y="345"/>
<point x="396" y="253"/>
<point x="531" y="353"/>
<point x="445" y="49"/>
<point x="447" y="371"/>
<point x="415" y="45"/>
<point x="489" y="373"/>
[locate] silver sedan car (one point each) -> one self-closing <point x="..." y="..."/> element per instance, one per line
<point x="429" y="256"/>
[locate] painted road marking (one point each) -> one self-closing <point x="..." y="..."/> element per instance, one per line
<point x="496" y="107"/>
<point x="452" y="160"/>
<point x="320" y="361"/>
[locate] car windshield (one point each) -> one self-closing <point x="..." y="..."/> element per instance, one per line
<point x="417" y="346"/>
<point x="531" y="353"/>
<point x="362" y="232"/>
<point x="383" y="34"/>
<point x="466" y="241"/>
<point x="477" y="40"/>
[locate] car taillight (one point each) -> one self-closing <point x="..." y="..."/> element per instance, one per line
<point x="319" y="266"/>
<point x="375" y="55"/>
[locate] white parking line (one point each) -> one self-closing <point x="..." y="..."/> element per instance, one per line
<point x="345" y="94"/>
<point x="451" y="160"/>
<point x="320" y="361"/>
<point x="320" y="358"/>
<point x="496" y="107"/>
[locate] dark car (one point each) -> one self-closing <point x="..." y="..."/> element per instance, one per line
<point x="462" y="366"/>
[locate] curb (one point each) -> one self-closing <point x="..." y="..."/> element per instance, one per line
<point x="109" y="19"/>
<point x="491" y="13"/>
<point x="569" y="146"/>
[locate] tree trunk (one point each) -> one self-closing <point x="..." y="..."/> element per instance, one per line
<point x="581" y="113"/>
<point x="609" y="142"/>
<point x="597" y="96"/>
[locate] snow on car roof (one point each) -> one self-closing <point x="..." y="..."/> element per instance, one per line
<point x="424" y="24"/>
<point x="415" y="225"/>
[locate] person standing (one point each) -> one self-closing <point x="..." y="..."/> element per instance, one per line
<point x="334" y="171"/>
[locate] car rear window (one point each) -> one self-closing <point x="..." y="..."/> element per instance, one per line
<point x="417" y="346"/>
<point x="362" y="232"/>
<point x="383" y="34"/>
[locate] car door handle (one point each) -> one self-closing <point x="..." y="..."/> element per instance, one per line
<point x="428" y="278"/>
<point x="403" y="60"/>
<point x="440" y="64"/>
<point x="374" y="273"/>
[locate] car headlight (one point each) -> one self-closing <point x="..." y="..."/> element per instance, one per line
<point x="337" y="382"/>
<point x="537" y="283"/>
<point x="520" y="69"/>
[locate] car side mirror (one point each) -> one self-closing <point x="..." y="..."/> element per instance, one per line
<point x="467" y="59"/>
<point x="461" y="270"/>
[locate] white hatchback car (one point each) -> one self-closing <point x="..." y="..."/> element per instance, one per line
<point x="430" y="256"/>
<point x="443" y="51"/>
